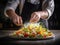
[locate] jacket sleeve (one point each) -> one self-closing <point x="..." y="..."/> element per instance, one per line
<point x="49" y="6"/>
<point x="12" y="4"/>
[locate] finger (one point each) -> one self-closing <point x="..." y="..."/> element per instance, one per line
<point x="20" y="20"/>
<point x="33" y="17"/>
<point x="15" y="21"/>
<point x="37" y="19"/>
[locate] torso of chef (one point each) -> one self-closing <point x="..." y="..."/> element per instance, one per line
<point x="26" y="9"/>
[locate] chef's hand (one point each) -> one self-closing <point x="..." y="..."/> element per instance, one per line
<point x="17" y="20"/>
<point x="35" y="17"/>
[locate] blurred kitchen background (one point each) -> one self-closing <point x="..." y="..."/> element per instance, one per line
<point x="54" y="21"/>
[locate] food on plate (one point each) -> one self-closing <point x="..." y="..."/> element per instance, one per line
<point x="33" y="30"/>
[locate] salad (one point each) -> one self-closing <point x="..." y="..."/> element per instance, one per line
<point x="33" y="30"/>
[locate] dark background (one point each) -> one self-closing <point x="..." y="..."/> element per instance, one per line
<point x="54" y="21"/>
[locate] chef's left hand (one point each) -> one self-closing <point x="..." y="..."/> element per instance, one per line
<point x="35" y="16"/>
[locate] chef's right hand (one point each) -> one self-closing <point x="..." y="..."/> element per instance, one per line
<point x="17" y="20"/>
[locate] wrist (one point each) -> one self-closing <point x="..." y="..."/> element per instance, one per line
<point x="43" y="14"/>
<point x="11" y="13"/>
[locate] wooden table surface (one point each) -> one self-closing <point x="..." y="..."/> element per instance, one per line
<point x="4" y="33"/>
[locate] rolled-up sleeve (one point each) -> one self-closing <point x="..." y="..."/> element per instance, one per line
<point x="49" y="6"/>
<point x="12" y="4"/>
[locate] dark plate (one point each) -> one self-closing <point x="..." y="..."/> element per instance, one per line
<point x="17" y="38"/>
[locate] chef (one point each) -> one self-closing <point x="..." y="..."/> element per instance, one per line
<point x="20" y="11"/>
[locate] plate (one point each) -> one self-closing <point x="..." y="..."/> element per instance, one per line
<point x="19" y="38"/>
<point x="32" y="31"/>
